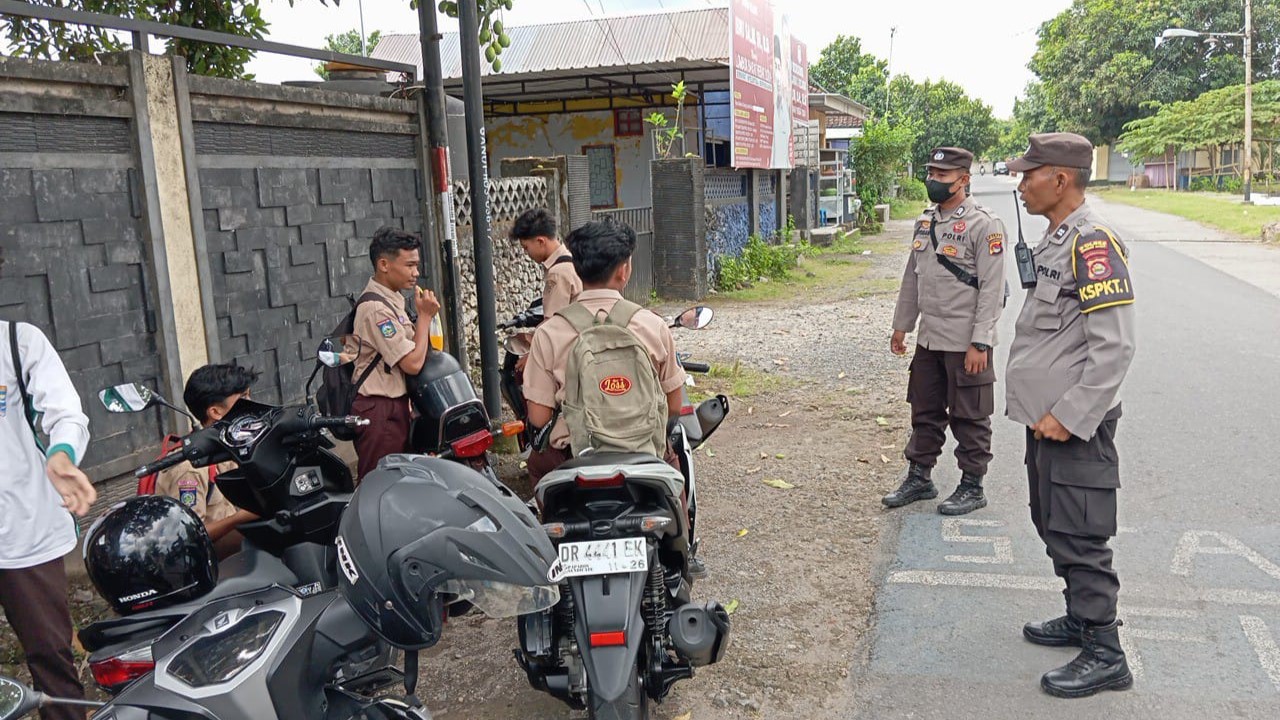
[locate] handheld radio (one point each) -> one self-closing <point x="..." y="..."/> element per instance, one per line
<point x="1022" y="254"/>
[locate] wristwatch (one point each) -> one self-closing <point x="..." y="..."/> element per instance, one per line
<point x="982" y="347"/>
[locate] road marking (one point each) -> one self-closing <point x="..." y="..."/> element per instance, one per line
<point x="1164" y="635"/>
<point x="1264" y="645"/>
<point x="953" y="531"/>
<point x="1158" y="612"/>
<point x="1190" y="545"/>
<point x="946" y="578"/>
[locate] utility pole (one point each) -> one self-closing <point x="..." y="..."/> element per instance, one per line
<point x="1248" y="101"/>
<point x="889" y="70"/>
<point x="364" y="49"/>
<point x="473" y="98"/>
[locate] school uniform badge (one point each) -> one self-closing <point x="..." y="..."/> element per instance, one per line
<point x="388" y="329"/>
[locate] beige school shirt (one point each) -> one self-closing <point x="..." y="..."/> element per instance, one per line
<point x="544" y="375"/>
<point x="190" y="486"/>
<point x="386" y="332"/>
<point x="1075" y="336"/>
<point x="953" y="315"/>
<point x="562" y="285"/>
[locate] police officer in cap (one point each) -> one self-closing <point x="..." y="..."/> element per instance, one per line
<point x="954" y="284"/>
<point x="1072" y="347"/>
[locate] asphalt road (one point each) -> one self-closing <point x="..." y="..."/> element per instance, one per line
<point x="1199" y="548"/>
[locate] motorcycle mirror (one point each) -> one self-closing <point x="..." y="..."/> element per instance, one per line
<point x="338" y="351"/>
<point x="16" y="699"/>
<point x="128" y="398"/>
<point x="695" y="318"/>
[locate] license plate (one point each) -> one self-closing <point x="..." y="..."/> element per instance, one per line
<point x="603" y="557"/>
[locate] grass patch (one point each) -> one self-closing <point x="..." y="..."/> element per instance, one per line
<point x="1214" y="210"/>
<point x="735" y="381"/>
<point x="812" y="273"/>
<point x="906" y="209"/>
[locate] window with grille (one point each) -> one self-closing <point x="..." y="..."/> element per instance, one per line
<point x="628" y="122"/>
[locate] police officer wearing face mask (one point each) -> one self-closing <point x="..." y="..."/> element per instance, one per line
<point x="954" y="285"/>
<point x="1071" y="351"/>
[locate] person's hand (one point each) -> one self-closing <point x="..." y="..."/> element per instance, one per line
<point x="524" y="360"/>
<point x="1049" y="427"/>
<point x="898" y="343"/>
<point x="71" y="483"/>
<point x="975" y="360"/>
<point x="426" y="303"/>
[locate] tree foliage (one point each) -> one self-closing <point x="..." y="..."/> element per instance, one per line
<point x="843" y="68"/>
<point x="878" y="157"/>
<point x="943" y="115"/>
<point x="349" y="43"/>
<point x="1099" y="66"/>
<point x="1214" y="119"/>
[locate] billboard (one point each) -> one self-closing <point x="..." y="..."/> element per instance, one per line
<point x="768" y="85"/>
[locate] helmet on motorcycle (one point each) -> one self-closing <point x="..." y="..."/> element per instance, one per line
<point x="148" y="552"/>
<point x="422" y="532"/>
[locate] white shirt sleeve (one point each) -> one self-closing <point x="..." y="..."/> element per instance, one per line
<point x="52" y="393"/>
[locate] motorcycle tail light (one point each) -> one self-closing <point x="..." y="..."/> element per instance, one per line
<point x="116" y="672"/>
<point x="686" y="410"/>
<point x="592" y="483"/>
<point x="473" y="445"/>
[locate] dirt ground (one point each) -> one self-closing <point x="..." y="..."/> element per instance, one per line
<point x="816" y="401"/>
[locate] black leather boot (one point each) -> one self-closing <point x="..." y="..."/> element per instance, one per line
<point x="916" y="485"/>
<point x="967" y="497"/>
<point x="1101" y="665"/>
<point x="1058" y="632"/>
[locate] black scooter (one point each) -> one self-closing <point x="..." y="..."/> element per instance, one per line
<point x="626" y="628"/>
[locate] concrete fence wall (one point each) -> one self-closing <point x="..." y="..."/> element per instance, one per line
<point x="152" y="222"/>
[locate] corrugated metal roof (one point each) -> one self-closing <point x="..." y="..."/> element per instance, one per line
<point x="657" y="40"/>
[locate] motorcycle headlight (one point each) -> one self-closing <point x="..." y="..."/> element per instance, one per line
<point x="219" y="658"/>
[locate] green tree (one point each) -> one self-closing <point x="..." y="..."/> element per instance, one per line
<point x="348" y="43"/>
<point x="1099" y="66"/>
<point x="878" y="158"/>
<point x="843" y="68"/>
<point x="944" y="115"/>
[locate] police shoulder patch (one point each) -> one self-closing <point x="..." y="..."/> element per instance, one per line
<point x="1101" y="271"/>
<point x="995" y="243"/>
<point x="388" y="329"/>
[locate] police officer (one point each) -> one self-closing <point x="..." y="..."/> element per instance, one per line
<point x="1071" y="350"/>
<point x="954" y="284"/>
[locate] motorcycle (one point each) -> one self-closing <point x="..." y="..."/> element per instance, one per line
<point x="626" y="628"/>
<point x="287" y="475"/>
<point x="515" y="346"/>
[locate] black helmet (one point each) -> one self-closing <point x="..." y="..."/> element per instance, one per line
<point x="422" y="532"/>
<point x="148" y="552"/>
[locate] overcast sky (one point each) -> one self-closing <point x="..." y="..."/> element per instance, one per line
<point x="982" y="45"/>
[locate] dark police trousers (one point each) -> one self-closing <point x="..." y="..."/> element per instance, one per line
<point x="1073" y="505"/>
<point x="942" y="393"/>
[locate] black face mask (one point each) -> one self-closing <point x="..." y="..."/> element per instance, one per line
<point x="939" y="192"/>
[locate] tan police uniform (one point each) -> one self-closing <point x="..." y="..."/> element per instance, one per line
<point x="954" y="286"/>
<point x="561" y="285"/>
<point x="1071" y="350"/>
<point x="384" y="328"/>
<point x="544" y="380"/>
<point x="192" y="487"/>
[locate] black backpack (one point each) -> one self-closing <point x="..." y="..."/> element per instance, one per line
<point x="338" y="386"/>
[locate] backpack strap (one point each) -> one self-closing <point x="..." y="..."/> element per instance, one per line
<point x="562" y="260"/>
<point x="622" y="313"/>
<point x="578" y="316"/>
<point x="27" y="409"/>
<point x="377" y="356"/>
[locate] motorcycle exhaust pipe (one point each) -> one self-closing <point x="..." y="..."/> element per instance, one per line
<point x="700" y="633"/>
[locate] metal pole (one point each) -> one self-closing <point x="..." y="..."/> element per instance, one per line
<point x="486" y="306"/>
<point x="444" y="250"/>
<point x="889" y="70"/>
<point x="364" y="49"/>
<point x="1248" y="101"/>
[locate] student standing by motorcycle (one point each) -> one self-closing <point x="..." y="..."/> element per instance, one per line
<point x="536" y="232"/>
<point x="39" y="489"/>
<point x="391" y="348"/>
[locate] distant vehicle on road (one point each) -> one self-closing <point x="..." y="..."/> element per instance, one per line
<point x="1000" y="169"/>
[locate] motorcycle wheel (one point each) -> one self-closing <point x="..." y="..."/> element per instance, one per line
<point x="632" y="705"/>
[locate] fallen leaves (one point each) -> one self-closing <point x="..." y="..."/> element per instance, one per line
<point x="882" y="422"/>
<point x="779" y="484"/>
<point x="743" y="532"/>
<point x="732" y="606"/>
<point x="884" y="459"/>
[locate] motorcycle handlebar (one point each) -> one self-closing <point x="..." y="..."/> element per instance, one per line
<point x="163" y="463"/>
<point x="696" y="367"/>
<point x="318" y="422"/>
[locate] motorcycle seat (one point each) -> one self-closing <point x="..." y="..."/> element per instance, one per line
<point x="609" y="458"/>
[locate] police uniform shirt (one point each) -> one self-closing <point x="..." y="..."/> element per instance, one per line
<point x="549" y="355"/>
<point x="192" y="487"/>
<point x="384" y="332"/>
<point x="953" y="314"/>
<point x="1075" y="335"/>
<point x="562" y="285"/>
